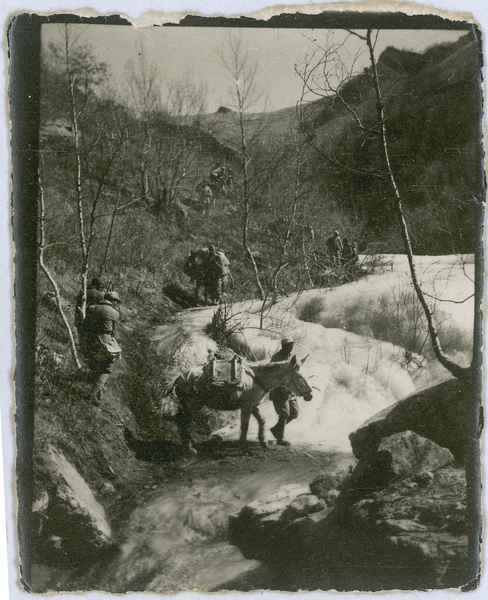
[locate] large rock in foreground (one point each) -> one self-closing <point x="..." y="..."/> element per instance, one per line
<point x="398" y="456"/>
<point x="438" y="413"/>
<point x="71" y="520"/>
<point x="398" y="522"/>
<point x="264" y="529"/>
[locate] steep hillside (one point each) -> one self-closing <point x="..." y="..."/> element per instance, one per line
<point x="432" y="104"/>
<point x="432" y="107"/>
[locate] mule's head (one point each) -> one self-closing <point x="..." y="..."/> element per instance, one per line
<point x="301" y="385"/>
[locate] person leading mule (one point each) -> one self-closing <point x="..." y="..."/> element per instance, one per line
<point x="284" y="400"/>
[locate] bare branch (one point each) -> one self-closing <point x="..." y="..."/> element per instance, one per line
<point x="47" y="273"/>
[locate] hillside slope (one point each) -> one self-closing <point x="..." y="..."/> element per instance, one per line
<point x="433" y="109"/>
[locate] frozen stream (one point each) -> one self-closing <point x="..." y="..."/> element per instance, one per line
<point x="362" y="341"/>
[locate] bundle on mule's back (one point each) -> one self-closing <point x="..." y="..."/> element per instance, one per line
<point x="221" y="380"/>
<point x="224" y="373"/>
<point x="217" y="380"/>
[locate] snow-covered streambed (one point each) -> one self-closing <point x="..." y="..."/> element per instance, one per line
<point x="363" y="342"/>
<point x="366" y="342"/>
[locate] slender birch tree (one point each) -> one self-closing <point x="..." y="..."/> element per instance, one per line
<point x="325" y="74"/>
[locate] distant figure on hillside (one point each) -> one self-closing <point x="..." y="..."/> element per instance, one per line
<point x="205" y="196"/>
<point x="220" y="178"/>
<point x="195" y="268"/>
<point x="216" y="174"/>
<point x="334" y="247"/>
<point x="101" y="346"/>
<point x="218" y="271"/>
<point x="284" y="402"/>
<point x="350" y="253"/>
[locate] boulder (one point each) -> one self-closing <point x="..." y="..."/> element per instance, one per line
<point x="258" y="528"/>
<point x="302" y="506"/>
<point x="398" y="456"/>
<point x="70" y="519"/>
<point x="419" y="531"/>
<point x="273" y="503"/>
<point x="301" y="532"/>
<point x="411" y="534"/>
<point x="324" y="483"/>
<point x="438" y="413"/>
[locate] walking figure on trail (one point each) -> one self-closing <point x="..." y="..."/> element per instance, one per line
<point x="193" y="392"/>
<point x="207" y="268"/>
<point x="205" y="197"/>
<point x="284" y="400"/>
<point x="101" y="347"/>
<point x="350" y="254"/>
<point x="218" y="272"/>
<point x="334" y="247"/>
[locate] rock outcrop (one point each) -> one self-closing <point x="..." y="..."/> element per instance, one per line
<point x="398" y="456"/>
<point x="438" y="413"/>
<point x="269" y="527"/>
<point x="397" y="522"/>
<point x="73" y="523"/>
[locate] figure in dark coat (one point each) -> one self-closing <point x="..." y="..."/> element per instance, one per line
<point x="101" y="346"/>
<point x="334" y="247"/>
<point x="94" y="295"/>
<point x="218" y="269"/>
<point x="284" y="402"/>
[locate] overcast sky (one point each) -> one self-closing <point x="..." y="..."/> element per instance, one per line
<point x="178" y="51"/>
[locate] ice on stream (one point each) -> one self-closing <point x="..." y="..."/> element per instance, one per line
<point x="355" y="373"/>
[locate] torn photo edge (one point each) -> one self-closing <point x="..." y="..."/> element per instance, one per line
<point x="24" y="49"/>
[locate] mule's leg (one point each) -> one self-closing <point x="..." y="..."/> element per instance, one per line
<point x="245" y="416"/>
<point x="259" y="418"/>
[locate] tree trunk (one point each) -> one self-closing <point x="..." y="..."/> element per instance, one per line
<point x="79" y="193"/>
<point x="459" y="372"/>
<point x="247" y="208"/>
<point x="50" y="278"/>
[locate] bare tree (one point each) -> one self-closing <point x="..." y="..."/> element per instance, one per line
<point x="144" y="82"/>
<point x="79" y="193"/>
<point x="245" y="94"/>
<point x="325" y="74"/>
<point x="95" y="149"/>
<point x="168" y="149"/>
<point x="177" y="151"/>
<point x="42" y="246"/>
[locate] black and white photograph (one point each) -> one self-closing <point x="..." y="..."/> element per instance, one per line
<point x="249" y="272"/>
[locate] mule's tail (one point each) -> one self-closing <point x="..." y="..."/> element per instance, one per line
<point x="170" y="404"/>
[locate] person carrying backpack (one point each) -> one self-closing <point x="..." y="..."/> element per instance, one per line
<point x="218" y="270"/>
<point x="101" y="346"/>
<point x="334" y="247"/>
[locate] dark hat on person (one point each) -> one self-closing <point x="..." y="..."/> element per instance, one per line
<point x="112" y="297"/>
<point x="96" y="282"/>
<point x="287" y="341"/>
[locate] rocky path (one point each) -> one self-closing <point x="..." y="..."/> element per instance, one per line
<point x="177" y="536"/>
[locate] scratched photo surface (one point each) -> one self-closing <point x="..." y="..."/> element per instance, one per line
<point x="249" y="256"/>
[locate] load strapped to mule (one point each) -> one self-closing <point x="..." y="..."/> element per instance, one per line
<point x="222" y="378"/>
<point x="225" y="373"/>
<point x="218" y="381"/>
